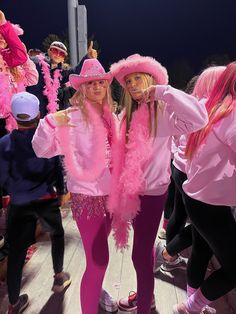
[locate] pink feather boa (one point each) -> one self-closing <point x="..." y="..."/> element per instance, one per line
<point x="72" y="160"/>
<point x="51" y="84"/>
<point x="128" y="180"/>
<point x="6" y="93"/>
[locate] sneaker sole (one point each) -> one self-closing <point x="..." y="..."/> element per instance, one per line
<point x="171" y="269"/>
<point x="58" y="289"/>
<point x="134" y="309"/>
<point x="108" y="309"/>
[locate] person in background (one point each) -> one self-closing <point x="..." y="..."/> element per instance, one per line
<point x="53" y="89"/>
<point x="30" y="181"/>
<point x="209" y="195"/>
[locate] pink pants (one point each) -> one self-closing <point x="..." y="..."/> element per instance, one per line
<point x="94" y="232"/>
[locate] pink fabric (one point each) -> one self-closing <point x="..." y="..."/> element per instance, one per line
<point x="47" y="143"/>
<point x="190" y="291"/>
<point x="52" y="84"/>
<point x="16" y="53"/>
<point x="211" y="172"/>
<point x="196" y="302"/>
<point x="94" y="233"/>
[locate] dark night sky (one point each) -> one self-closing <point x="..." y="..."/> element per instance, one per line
<point x="169" y="30"/>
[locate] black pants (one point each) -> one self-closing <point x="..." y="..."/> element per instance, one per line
<point x="178" y="237"/>
<point x="170" y="199"/>
<point x="22" y="222"/>
<point x="213" y="232"/>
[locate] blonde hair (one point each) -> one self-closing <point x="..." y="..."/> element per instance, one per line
<point x="79" y="98"/>
<point x="131" y="105"/>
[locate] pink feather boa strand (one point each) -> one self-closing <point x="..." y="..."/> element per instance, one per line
<point x="99" y="146"/>
<point x="51" y="84"/>
<point x="128" y="180"/>
<point x="5" y="102"/>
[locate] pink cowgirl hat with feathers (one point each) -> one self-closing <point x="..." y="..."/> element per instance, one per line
<point x="92" y="70"/>
<point x="139" y="64"/>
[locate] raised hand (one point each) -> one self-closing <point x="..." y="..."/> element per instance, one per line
<point x="92" y="53"/>
<point x="2" y="18"/>
<point x="148" y="94"/>
<point x="62" y="118"/>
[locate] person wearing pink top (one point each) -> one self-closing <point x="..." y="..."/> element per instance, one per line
<point x="84" y="134"/>
<point x="210" y="191"/>
<point x="179" y="237"/>
<point x="154" y="112"/>
<point x="16" y="69"/>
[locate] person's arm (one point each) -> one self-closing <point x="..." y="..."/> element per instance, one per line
<point x="15" y="53"/>
<point x="182" y="113"/>
<point x="31" y="75"/>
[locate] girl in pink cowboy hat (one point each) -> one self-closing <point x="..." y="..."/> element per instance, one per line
<point x="154" y="112"/>
<point x="83" y="135"/>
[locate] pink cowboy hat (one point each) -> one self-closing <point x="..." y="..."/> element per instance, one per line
<point x="139" y="64"/>
<point x="92" y="70"/>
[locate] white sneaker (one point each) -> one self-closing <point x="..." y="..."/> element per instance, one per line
<point x="162" y="234"/>
<point x="107" y="303"/>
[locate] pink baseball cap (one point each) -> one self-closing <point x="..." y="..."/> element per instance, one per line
<point x="24" y="103"/>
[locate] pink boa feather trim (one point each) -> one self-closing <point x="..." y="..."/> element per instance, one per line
<point x="51" y="84"/>
<point x="128" y="180"/>
<point x="99" y="146"/>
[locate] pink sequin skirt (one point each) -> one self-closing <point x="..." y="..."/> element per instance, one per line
<point x="94" y="205"/>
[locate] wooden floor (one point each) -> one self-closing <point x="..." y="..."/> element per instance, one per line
<point x="119" y="280"/>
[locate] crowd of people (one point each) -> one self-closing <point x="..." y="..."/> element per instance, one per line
<point x="163" y="149"/>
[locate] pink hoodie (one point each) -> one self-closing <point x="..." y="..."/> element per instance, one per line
<point x="181" y="114"/>
<point x="212" y="170"/>
<point x="15" y="54"/>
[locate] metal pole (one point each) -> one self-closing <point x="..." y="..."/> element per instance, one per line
<point x="72" y="21"/>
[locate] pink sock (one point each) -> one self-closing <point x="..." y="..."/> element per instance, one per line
<point x="165" y="223"/>
<point x="190" y="291"/>
<point x="196" y="302"/>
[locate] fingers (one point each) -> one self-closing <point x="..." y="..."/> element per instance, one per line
<point x="90" y="46"/>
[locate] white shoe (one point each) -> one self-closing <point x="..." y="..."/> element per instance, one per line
<point x="162" y="234"/>
<point x="107" y="303"/>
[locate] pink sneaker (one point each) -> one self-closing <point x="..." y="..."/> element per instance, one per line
<point x="129" y="304"/>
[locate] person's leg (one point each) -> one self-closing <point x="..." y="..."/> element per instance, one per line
<point x="49" y="214"/>
<point x="21" y="229"/>
<point x="178" y="218"/>
<point x="208" y="220"/>
<point x="145" y="230"/>
<point x="94" y="232"/>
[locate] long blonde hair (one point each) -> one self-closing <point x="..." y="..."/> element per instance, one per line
<point x="131" y="105"/>
<point x="79" y="98"/>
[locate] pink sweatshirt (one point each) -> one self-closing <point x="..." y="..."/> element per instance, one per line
<point x="179" y="160"/>
<point x="181" y="114"/>
<point x="15" y="54"/>
<point x="46" y="143"/>
<point x="212" y="170"/>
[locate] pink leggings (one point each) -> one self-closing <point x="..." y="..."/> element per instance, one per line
<point x="94" y="232"/>
<point x="145" y="230"/>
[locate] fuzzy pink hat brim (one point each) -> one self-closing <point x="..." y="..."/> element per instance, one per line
<point x="139" y="64"/>
<point x="77" y="80"/>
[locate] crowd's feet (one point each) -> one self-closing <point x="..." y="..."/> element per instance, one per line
<point x="20" y="306"/>
<point x="129" y="304"/>
<point x="181" y="309"/>
<point x="61" y="282"/>
<point x="107" y="303"/>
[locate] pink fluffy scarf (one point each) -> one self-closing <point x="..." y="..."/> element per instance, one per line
<point x="99" y="159"/>
<point x="51" y="84"/>
<point x="128" y="182"/>
<point x="6" y="92"/>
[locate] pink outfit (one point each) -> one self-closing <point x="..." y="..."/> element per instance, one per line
<point x="15" y="54"/>
<point x="181" y="114"/>
<point x="87" y="141"/>
<point x="47" y="143"/>
<point x="212" y="170"/>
